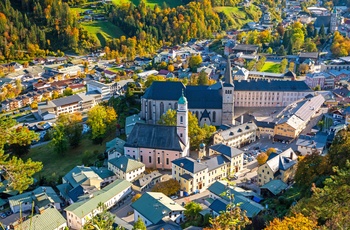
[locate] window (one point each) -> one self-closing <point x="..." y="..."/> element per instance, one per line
<point x="181" y="119"/>
<point x="161" y="108"/>
<point x="141" y="158"/>
<point x="214" y="116"/>
<point x="150" y="159"/>
<point x="158" y="160"/>
<point x="167" y="161"/>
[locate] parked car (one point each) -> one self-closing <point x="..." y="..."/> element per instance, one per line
<point x="174" y="197"/>
<point x="2" y="215"/>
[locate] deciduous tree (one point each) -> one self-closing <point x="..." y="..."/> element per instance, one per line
<point x="262" y="158"/>
<point x="296" y="221"/>
<point x="169" y="187"/>
<point x="192" y="210"/>
<point x="139" y="225"/>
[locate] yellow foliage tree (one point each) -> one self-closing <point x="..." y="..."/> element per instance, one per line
<point x="262" y="158"/>
<point x="270" y="150"/>
<point x="297" y="221"/>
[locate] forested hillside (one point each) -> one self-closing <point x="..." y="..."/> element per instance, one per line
<point x="35" y="27"/>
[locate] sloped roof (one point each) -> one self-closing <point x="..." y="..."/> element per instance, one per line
<point x="117" y="144"/>
<point x="318" y="141"/>
<point x="237" y="130"/>
<point x="275" y="186"/>
<point x="203" y="97"/>
<point x="322" y="20"/>
<point x="50" y="219"/>
<point x="67" y="100"/>
<point x="86" y="206"/>
<point x="282" y="161"/>
<point x="226" y="150"/>
<point x="126" y="164"/>
<point x="49" y="193"/>
<point x="216" y="162"/>
<point x="309" y="107"/>
<point x="164" y="90"/>
<point x="252" y="208"/>
<point x="154" y="206"/>
<point x="155" y="137"/>
<point x="189" y="164"/>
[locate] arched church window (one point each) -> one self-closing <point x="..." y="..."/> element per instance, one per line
<point x="214" y="116"/>
<point x="181" y="119"/>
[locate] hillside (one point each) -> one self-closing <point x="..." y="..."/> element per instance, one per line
<point x="152" y="3"/>
<point x="239" y="16"/>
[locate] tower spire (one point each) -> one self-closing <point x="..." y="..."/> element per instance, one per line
<point x="228" y="72"/>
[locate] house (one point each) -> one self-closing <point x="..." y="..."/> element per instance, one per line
<point x="147" y="181"/>
<point x="234" y="155"/>
<point x="278" y="166"/>
<point x="126" y="168"/>
<point x="308" y="144"/>
<point x="115" y="148"/>
<point x="236" y="136"/>
<point x="87" y="207"/>
<point x="145" y="74"/>
<point x="220" y="201"/>
<point x="49" y="219"/>
<point x="324" y="21"/>
<point x="324" y="80"/>
<point x="109" y="74"/>
<point x="294" y="118"/>
<point x="83" y="180"/>
<point x="265" y="128"/>
<point x="41" y="197"/>
<point x="130" y="122"/>
<point x="101" y="88"/>
<point x="245" y="49"/>
<point x="308" y="55"/>
<point x="141" y="61"/>
<point x="155" y="207"/>
<point x="158" y="145"/>
<point x="70" y="104"/>
<point x="241" y="73"/>
<point x="273" y="188"/>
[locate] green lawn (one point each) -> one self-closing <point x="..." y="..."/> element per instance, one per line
<point x="103" y="30"/>
<point x="236" y="14"/>
<point x="151" y="3"/>
<point x="61" y="164"/>
<point x="115" y="69"/>
<point x="271" y="67"/>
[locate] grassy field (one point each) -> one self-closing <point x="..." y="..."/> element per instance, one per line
<point x="271" y="67"/>
<point x="151" y="3"/>
<point x="61" y="164"/>
<point x="236" y="14"/>
<point x="103" y="30"/>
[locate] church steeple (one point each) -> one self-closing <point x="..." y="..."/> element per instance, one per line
<point x="228" y="72"/>
<point x="182" y="120"/>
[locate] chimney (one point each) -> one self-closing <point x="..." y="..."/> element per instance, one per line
<point x="121" y="166"/>
<point x="291" y="155"/>
<point x="242" y="119"/>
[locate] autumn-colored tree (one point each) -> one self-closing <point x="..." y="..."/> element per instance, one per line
<point x="171" y="68"/>
<point x="270" y="150"/>
<point x="169" y="187"/>
<point x="262" y="158"/>
<point x="139" y="225"/>
<point x="203" y="78"/>
<point x="291" y="66"/>
<point x="296" y="221"/>
<point x="136" y="197"/>
<point x="34" y="105"/>
<point x="303" y="68"/>
<point x="194" y="62"/>
<point x="73" y="127"/>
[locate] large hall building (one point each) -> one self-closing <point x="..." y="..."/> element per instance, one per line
<point x="215" y="104"/>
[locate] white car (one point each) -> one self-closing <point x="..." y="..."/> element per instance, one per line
<point x="174" y="197"/>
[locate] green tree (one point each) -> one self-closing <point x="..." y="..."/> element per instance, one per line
<point x="73" y="127"/>
<point x="322" y="31"/>
<point x="283" y="66"/>
<point x="281" y="51"/>
<point x="269" y="50"/>
<point x="17" y="172"/>
<point x="203" y="78"/>
<point x="291" y="66"/>
<point x="196" y="133"/>
<point x="22" y="146"/>
<point x="310" y="46"/>
<point x="194" y="62"/>
<point x="59" y="139"/>
<point x="102" y="221"/>
<point x="317" y="88"/>
<point x="251" y="64"/>
<point x="68" y="92"/>
<point x="139" y="225"/>
<point x="99" y="120"/>
<point x="192" y="210"/>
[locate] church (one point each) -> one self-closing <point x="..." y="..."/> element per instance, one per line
<point x="158" y="145"/>
<point x="214" y="104"/>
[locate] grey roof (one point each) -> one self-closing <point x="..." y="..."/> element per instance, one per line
<point x="266" y="85"/>
<point x="79" y="174"/>
<point x="155" y="137"/>
<point x="126" y="164"/>
<point x="265" y="124"/>
<point x="318" y="141"/>
<point x="313" y="55"/>
<point x="189" y="164"/>
<point x="187" y="176"/>
<point x="67" y="100"/>
<point x="282" y="161"/>
<point x="202" y="97"/>
<point x="154" y="206"/>
<point x="275" y="186"/>
<point x="237" y="130"/>
<point x="309" y="107"/>
<point x="322" y="20"/>
<point x="228" y="74"/>
<point x="147" y="178"/>
<point x="226" y="150"/>
<point x="216" y="162"/>
<point x="164" y="91"/>
<point x="243" y="47"/>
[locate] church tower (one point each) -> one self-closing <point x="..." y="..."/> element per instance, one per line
<point x="182" y="120"/>
<point x="334" y="21"/>
<point x="227" y="96"/>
